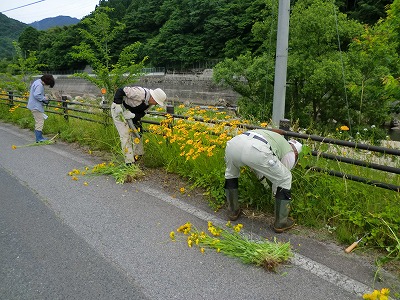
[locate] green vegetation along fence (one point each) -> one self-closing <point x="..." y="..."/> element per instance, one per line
<point x="100" y="114"/>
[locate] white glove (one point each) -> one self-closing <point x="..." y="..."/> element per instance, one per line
<point x="128" y="114"/>
<point x="117" y="109"/>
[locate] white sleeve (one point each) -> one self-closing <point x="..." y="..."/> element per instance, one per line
<point x="288" y="160"/>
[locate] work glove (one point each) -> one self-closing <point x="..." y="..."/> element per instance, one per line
<point x="139" y="127"/>
<point x="117" y="109"/>
<point x="128" y="114"/>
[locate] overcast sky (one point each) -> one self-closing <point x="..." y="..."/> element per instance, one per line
<point x="42" y="9"/>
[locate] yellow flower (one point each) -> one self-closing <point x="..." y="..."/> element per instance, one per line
<point x="146" y="141"/>
<point x="238" y="227"/>
<point x="74" y="178"/>
<point x="189" y="242"/>
<point x="172" y="235"/>
<point x="202" y="250"/>
<point x="185" y="228"/>
<point x="136" y="141"/>
<point x="218" y="250"/>
<point x="385" y="291"/>
<point x="14" y="147"/>
<point x="182" y="190"/>
<point x="85" y="183"/>
<point x="344" y="128"/>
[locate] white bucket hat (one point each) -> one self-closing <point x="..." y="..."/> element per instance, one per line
<point x="159" y="96"/>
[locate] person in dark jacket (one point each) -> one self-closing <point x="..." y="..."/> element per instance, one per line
<point x="129" y="107"/>
<point x="37" y="100"/>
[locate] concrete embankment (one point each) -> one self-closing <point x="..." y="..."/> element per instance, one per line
<point x="199" y="89"/>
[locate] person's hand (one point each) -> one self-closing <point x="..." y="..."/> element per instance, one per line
<point x="128" y="114"/>
<point x="45" y="101"/>
<point x="117" y="109"/>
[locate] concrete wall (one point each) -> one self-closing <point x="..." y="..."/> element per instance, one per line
<point x="181" y="88"/>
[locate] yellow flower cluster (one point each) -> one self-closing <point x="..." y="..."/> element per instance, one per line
<point x="343" y="128"/>
<point x="185" y="228"/>
<point x="12" y="109"/>
<point x="215" y="231"/>
<point x="382" y="294"/>
<point x="195" y="139"/>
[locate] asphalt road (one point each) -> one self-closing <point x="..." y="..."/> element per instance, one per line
<point x="61" y="239"/>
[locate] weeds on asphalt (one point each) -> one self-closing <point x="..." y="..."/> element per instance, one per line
<point x="230" y="241"/>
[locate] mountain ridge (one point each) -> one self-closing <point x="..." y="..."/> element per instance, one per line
<point x="11" y="29"/>
<point x="51" y="22"/>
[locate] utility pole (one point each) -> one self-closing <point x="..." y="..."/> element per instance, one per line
<point x="282" y="44"/>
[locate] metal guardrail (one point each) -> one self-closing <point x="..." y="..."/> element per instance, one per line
<point x="67" y="106"/>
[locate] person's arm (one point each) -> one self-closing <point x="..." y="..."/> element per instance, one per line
<point x="119" y="96"/>
<point x="288" y="160"/>
<point x="38" y="93"/>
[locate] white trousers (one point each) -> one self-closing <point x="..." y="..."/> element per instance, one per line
<point x="128" y="145"/>
<point x="245" y="150"/>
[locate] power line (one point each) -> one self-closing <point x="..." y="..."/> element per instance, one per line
<point x="22" y="6"/>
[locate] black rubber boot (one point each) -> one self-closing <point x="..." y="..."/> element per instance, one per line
<point x="232" y="198"/>
<point x="282" y="208"/>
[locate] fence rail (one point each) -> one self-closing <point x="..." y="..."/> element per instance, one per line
<point x="67" y="107"/>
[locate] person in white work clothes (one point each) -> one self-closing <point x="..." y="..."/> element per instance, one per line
<point x="271" y="157"/>
<point x="130" y="105"/>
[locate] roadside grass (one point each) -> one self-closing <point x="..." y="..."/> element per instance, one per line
<point x="195" y="150"/>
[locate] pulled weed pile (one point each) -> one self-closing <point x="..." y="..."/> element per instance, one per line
<point x="121" y="173"/>
<point x="230" y="242"/>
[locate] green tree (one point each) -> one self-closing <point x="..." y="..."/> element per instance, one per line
<point x="316" y="91"/>
<point x="365" y="11"/>
<point x="29" y="40"/>
<point x="56" y="43"/>
<point x="375" y="54"/>
<point x="95" y="50"/>
<point x="21" y="71"/>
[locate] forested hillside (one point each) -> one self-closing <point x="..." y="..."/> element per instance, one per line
<point x="343" y="65"/>
<point x="183" y="34"/>
<point x="10" y="30"/>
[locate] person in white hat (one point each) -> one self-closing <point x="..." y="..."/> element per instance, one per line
<point x="271" y="157"/>
<point x="129" y="107"/>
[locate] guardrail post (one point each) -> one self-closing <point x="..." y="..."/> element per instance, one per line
<point x="170" y="109"/>
<point x="10" y="99"/>
<point x="284" y="124"/>
<point x="105" y="108"/>
<point x="65" y="107"/>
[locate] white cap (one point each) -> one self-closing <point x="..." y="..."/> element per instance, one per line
<point x="159" y="96"/>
